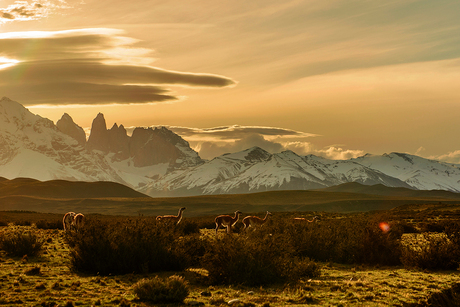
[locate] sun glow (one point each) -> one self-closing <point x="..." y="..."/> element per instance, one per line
<point x="5" y="62"/>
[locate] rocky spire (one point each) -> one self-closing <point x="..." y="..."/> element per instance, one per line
<point x="69" y="127"/>
<point x="98" y="138"/>
<point x="119" y="141"/>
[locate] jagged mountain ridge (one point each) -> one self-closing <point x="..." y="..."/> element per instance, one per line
<point x="158" y="162"/>
<point x="34" y="147"/>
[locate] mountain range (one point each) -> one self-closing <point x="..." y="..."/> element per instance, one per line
<point x="158" y="162"/>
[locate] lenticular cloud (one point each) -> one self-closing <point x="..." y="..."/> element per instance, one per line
<point x="88" y="66"/>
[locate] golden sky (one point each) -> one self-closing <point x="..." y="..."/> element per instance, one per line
<point x="337" y="78"/>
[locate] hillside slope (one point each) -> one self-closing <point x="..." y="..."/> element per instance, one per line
<point x="62" y="189"/>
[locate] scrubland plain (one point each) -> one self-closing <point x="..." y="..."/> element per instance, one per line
<point x="341" y="260"/>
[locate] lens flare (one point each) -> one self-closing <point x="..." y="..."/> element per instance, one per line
<point x="384" y="226"/>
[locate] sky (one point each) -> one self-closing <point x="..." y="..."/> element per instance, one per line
<point x="335" y="78"/>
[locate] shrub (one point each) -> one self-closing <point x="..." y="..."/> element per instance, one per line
<point x="126" y="246"/>
<point x="452" y="231"/>
<point x="191" y="249"/>
<point x="379" y="246"/>
<point x="431" y="251"/>
<point x="254" y="259"/>
<point x="445" y="297"/>
<point x="302" y="268"/>
<point x="157" y="290"/>
<point x="23" y="223"/>
<point x="187" y="227"/>
<point x="407" y="228"/>
<point x="346" y="240"/>
<point x="33" y="271"/>
<point x="44" y="224"/>
<point x="17" y="242"/>
<point x="432" y="227"/>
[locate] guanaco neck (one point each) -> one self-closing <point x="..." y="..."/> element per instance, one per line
<point x="266" y="217"/>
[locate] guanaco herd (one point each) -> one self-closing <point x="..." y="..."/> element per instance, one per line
<point x="76" y="221"/>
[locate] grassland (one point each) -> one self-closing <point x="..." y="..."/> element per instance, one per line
<point x="339" y="285"/>
<point x="48" y="280"/>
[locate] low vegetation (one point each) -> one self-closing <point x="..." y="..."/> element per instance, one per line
<point x="381" y="258"/>
<point x="125" y="246"/>
<point x="157" y="290"/>
<point x="17" y="242"/>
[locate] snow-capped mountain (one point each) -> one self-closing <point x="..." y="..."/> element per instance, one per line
<point x="158" y="162"/>
<point x="34" y="147"/>
<point x="417" y="172"/>
<point x="256" y="170"/>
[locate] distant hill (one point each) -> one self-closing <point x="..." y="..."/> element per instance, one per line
<point x="380" y="189"/>
<point x="58" y="196"/>
<point x="62" y="189"/>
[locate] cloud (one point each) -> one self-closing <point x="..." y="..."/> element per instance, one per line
<point x="237" y="132"/>
<point x="88" y="66"/>
<point x="216" y="141"/>
<point x="450" y="157"/>
<point x="338" y="153"/>
<point x="6" y="15"/>
<point x="23" y="10"/>
<point x="209" y="150"/>
<point x="330" y="152"/>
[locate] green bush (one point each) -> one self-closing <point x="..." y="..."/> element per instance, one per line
<point x="157" y="290"/>
<point x="17" y="242"/>
<point x="126" y="246"/>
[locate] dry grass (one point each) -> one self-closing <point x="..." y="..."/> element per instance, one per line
<point x="47" y="281"/>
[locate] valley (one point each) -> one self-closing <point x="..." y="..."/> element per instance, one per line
<point x="59" y="196"/>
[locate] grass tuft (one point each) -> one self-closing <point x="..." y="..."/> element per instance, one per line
<point x="157" y="290"/>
